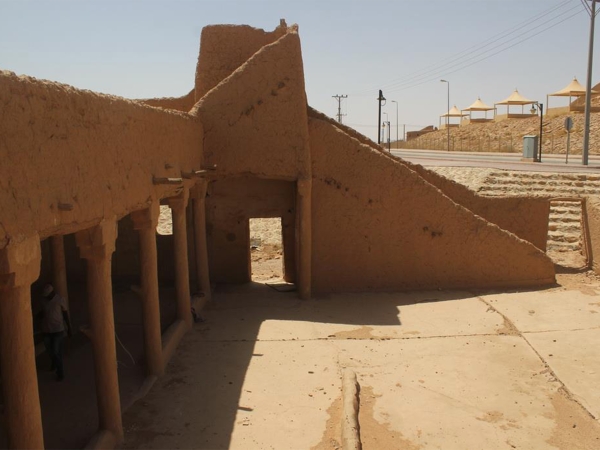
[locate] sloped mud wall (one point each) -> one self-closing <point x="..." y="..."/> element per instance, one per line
<point x="255" y="121"/>
<point x="95" y="153"/>
<point x="224" y="48"/>
<point x="378" y="225"/>
<point x="526" y="217"/>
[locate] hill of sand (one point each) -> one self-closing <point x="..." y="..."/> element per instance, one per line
<point x="507" y="135"/>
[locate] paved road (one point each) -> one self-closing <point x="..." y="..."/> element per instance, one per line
<point x="507" y="161"/>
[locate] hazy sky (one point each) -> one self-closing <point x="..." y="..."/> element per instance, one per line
<point x="149" y="48"/>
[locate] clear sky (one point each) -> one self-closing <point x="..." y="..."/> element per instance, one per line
<point x="149" y="48"/>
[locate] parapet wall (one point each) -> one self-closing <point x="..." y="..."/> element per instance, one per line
<point x="225" y="48"/>
<point x="378" y="225"/>
<point x="71" y="157"/>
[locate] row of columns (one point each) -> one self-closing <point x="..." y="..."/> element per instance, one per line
<point x="20" y="267"/>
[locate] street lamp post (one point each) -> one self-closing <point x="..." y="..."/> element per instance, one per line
<point x="533" y="110"/>
<point x="394" y="101"/>
<point x="389" y="127"/>
<point x="383" y="127"/>
<point x="448" y="113"/>
<point x="588" y="90"/>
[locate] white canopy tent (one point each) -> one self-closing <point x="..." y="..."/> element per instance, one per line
<point x="573" y="89"/>
<point x="454" y="112"/>
<point x="515" y="99"/>
<point x="478" y="105"/>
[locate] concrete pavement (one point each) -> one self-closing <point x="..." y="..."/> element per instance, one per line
<point x="440" y="369"/>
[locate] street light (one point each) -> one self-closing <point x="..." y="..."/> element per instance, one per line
<point x="389" y="131"/>
<point x="383" y="126"/>
<point x="588" y="89"/>
<point x="533" y="110"/>
<point x="448" y="113"/>
<point x="394" y="101"/>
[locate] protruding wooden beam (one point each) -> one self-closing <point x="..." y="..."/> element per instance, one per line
<point x="166" y="180"/>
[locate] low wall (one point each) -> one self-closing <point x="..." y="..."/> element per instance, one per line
<point x="593" y="216"/>
<point x="76" y="156"/>
<point x="378" y="225"/>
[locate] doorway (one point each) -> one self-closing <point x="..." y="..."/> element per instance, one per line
<point x="266" y="249"/>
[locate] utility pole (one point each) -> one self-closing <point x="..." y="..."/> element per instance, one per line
<point x="588" y="90"/>
<point x="339" y="100"/>
<point x="381" y="98"/>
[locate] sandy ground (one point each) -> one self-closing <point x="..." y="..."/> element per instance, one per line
<point x="266" y="250"/>
<point x="442" y="369"/>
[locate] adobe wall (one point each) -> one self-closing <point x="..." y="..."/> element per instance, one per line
<point x="526" y="217"/>
<point x="255" y="121"/>
<point x="95" y="154"/>
<point x="593" y="216"/>
<point x="377" y="225"/>
<point x="224" y="48"/>
<point x="230" y="204"/>
<point x="184" y="103"/>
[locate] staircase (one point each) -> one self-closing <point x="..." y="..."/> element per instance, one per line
<point x="565" y="242"/>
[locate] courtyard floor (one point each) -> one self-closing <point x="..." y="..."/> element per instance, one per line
<point x="437" y="370"/>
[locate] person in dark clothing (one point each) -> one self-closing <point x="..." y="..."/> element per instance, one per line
<point x="55" y="317"/>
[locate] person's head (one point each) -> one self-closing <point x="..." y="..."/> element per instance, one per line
<point x="48" y="290"/>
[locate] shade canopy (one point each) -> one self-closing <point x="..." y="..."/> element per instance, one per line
<point x="478" y="105"/>
<point x="516" y="99"/>
<point x="454" y="112"/>
<point x="574" y="89"/>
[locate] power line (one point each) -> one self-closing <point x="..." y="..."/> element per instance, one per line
<point x="476" y="55"/>
<point x="478" y="50"/>
<point x="339" y="100"/>
<point x="433" y="78"/>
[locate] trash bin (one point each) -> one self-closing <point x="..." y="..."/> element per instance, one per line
<point x="530" y="147"/>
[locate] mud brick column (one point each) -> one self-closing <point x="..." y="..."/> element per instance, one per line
<point x="304" y="193"/>
<point x="19" y="267"/>
<point x="145" y="222"/>
<point x="96" y="246"/>
<point x="59" y="266"/>
<point x="182" y="277"/>
<point x="199" y="196"/>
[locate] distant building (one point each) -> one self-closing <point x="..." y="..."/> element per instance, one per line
<point x="415" y="134"/>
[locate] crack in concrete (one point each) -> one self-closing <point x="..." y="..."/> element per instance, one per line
<point x="520" y="334"/>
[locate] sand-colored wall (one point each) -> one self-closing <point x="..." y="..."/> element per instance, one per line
<point x="229" y="206"/>
<point x="377" y="225"/>
<point x="184" y="103"/>
<point x="255" y="120"/>
<point x="593" y="217"/>
<point x="95" y="152"/>
<point x="527" y="217"/>
<point x="224" y="48"/>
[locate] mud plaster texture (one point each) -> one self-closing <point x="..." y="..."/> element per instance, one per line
<point x="406" y="231"/>
<point x="96" y="153"/>
<point x="526" y="217"/>
<point x="593" y="215"/>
